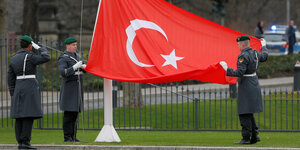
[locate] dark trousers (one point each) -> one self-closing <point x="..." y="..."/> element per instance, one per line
<point x="291" y="48"/>
<point x="23" y="128"/>
<point x="249" y="128"/>
<point x="70" y="125"/>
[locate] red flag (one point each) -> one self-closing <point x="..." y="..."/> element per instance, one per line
<point x="153" y="41"/>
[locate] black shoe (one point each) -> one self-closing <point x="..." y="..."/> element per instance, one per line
<point x="26" y="146"/>
<point x="255" y="139"/>
<point x="77" y="140"/>
<point x="68" y="139"/>
<point x="20" y="146"/>
<point x="243" y="141"/>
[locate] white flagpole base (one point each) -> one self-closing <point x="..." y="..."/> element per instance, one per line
<point x="108" y="134"/>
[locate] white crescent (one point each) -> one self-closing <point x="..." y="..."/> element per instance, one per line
<point x="130" y="31"/>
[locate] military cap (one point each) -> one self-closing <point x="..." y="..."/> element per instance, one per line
<point x="70" y="40"/>
<point x="26" y="38"/>
<point x="242" y="38"/>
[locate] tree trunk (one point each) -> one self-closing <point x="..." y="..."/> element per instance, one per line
<point x="3" y="16"/>
<point x="30" y="24"/>
<point x="3" y="31"/>
<point x="133" y="94"/>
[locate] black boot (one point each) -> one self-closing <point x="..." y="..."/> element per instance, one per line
<point x="74" y="136"/>
<point x="254" y="138"/>
<point x="76" y="140"/>
<point x="68" y="138"/>
<point x="26" y="145"/>
<point x="19" y="144"/>
<point x="244" y="141"/>
<point x="257" y="138"/>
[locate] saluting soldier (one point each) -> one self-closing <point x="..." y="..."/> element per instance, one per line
<point x="71" y="92"/>
<point x="249" y="99"/>
<point x="24" y="89"/>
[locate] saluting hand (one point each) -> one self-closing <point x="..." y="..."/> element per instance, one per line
<point x="35" y="46"/>
<point x="224" y="65"/>
<point x="263" y="42"/>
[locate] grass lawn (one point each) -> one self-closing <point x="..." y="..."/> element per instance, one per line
<point x="160" y="138"/>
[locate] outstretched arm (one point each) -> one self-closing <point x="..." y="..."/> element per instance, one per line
<point x="263" y="55"/>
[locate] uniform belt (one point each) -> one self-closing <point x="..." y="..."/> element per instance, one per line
<point x="78" y="73"/>
<point x="250" y="75"/>
<point x="26" y="77"/>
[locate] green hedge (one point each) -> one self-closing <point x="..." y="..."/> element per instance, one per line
<point x="278" y="66"/>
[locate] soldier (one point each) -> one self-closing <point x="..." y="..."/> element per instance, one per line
<point x="249" y="99"/>
<point x="24" y="89"/>
<point x="71" y="92"/>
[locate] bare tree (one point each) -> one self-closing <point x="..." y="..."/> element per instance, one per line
<point x="3" y="16"/>
<point x="132" y="93"/>
<point x="30" y="17"/>
<point x="3" y="31"/>
<point x="70" y="19"/>
<point x="69" y="14"/>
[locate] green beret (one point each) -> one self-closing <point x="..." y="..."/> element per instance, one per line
<point x="70" y="40"/>
<point x="242" y="38"/>
<point x="26" y="38"/>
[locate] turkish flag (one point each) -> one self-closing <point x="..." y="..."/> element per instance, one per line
<point x="153" y="41"/>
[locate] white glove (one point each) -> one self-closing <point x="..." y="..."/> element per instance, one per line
<point x="77" y="65"/>
<point x="224" y="65"/>
<point x="83" y="66"/>
<point x="263" y="42"/>
<point x="35" y="46"/>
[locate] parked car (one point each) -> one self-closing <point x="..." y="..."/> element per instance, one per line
<point x="276" y="40"/>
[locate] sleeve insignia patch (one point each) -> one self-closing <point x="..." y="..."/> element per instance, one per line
<point x="241" y="60"/>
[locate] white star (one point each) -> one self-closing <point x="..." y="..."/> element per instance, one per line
<point x="171" y="59"/>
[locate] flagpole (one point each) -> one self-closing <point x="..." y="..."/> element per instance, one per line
<point x="108" y="132"/>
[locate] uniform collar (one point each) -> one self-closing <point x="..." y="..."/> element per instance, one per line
<point x="23" y="51"/>
<point x="246" y="49"/>
<point x="71" y="54"/>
